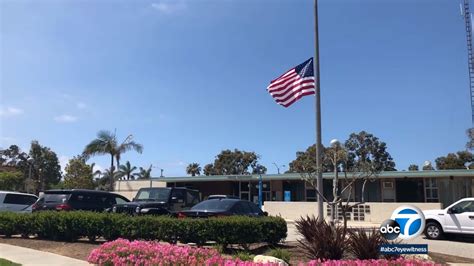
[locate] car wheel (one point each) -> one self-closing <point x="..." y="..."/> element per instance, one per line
<point x="433" y="231"/>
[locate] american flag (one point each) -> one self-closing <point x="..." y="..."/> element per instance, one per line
<point x="293" y="84"/>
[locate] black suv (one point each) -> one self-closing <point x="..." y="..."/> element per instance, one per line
<point x="159" y="201"/>
<point x="77" y="199"/>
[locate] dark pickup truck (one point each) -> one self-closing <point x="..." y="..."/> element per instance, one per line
<point x="159" y="201"/>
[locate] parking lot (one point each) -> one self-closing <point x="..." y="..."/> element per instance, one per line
<point x="456" y="246"/>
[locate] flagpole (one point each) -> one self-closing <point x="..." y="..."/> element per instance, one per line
<point x="318" y="114"/>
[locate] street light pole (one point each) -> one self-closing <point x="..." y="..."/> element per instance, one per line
<point x="260" y="187"/>
<point x="30" y="162"/>
<point x="278" y="168"/>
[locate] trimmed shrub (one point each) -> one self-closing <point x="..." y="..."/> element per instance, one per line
<point x="70" y="226"/>
<point x="8" y="224"/>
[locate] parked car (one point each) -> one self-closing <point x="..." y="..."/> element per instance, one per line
<point x="222" y="197"/>
<point x="78" y="199"/>
<point x="222" y="207"/>
<point x="16" y="202"/>
<point x="159" y="201"/>
<point x="458" y="218"/>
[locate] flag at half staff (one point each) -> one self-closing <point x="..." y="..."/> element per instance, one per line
<point x="293" y="84"/>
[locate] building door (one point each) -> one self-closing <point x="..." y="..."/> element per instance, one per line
<point x="410" y="190"/>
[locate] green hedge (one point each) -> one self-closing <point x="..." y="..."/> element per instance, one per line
<point x="70" y="226"/>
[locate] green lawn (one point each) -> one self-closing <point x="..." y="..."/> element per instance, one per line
<point x="4" y="262"/>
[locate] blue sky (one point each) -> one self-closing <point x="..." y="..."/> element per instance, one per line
<point x="188" y="78"/>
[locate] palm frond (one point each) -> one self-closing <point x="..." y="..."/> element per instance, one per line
<point x="131" y="145"/>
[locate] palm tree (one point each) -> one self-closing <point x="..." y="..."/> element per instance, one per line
<point x="96" y="172"/>
<point x="107" y="175"/>
<point x="106" y="143"/>
<point x="127" y="145"/>
<point x="193" y="169"/>
<point x="144" y="173"/>
<point x="127" y="170"/>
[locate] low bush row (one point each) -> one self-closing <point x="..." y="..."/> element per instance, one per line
<point x="123" y="252"/>
<point x="70" y="226"/>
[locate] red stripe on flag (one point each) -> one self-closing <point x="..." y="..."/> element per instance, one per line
<point x="297" y="98"/>
<point x="303" y="89"/>
<point x="282" y="81"/>
<point x="283" y="91"/>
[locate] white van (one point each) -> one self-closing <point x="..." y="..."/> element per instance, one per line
<point x="16" y="202"/>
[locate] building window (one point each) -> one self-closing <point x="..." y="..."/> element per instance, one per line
<point x="311" y="194"/>
<point x="431" y="190"/>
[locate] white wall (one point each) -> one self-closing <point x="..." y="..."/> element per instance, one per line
<point x="379" y="211"/>
<point x="129" y="188"/>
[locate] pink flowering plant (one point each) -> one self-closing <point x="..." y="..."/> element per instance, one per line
<point x="125" y="252"/>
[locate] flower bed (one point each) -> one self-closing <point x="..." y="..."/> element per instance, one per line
<point x="124" y="252"/>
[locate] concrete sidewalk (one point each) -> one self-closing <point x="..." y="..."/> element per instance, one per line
<point x="27" y="256"/>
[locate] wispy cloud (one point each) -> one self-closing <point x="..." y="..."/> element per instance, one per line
<point x="65" y="118"/>
<point x="168" y="7"/>
<point x="10" y="111"/>
<point x="81" y="105"/>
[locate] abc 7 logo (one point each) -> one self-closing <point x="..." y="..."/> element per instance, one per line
<point x="390" y="229"/>
<point x="406" y="222"/>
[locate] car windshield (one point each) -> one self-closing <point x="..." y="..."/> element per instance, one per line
<point x="55" y="198"/>
<point x="214" y="205"/>
<point x="155" y="194"/>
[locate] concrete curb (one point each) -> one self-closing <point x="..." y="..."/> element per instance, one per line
<point x="27" y="256"/>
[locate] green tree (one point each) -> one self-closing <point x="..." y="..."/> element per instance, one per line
<point x="360" y="150"/>
<point x="193" y="169"/>
<point x="459" y="160"/>
<point x="13" y="162"/>
<point x="413" y="167"/>
<point x="365" y="149"/>
<point x="209" y="169"/>
<point x="234" y="162"/>
<point x="427" y="166"/>
<point x="144" y="173"/>
<point x="46" y="170"/>
<point x="470" y="135"/>
<point x="127" y="170"/>
<point x="259" y="169"/>
<point x="13" y="157"/>
<point x="305" y="162"/>
<point x="11" y="180"/>
<point x="78" y="174"/>
<point x="106" y="144"/>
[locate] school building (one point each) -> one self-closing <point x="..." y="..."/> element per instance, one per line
<point x="424" y="188"/>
